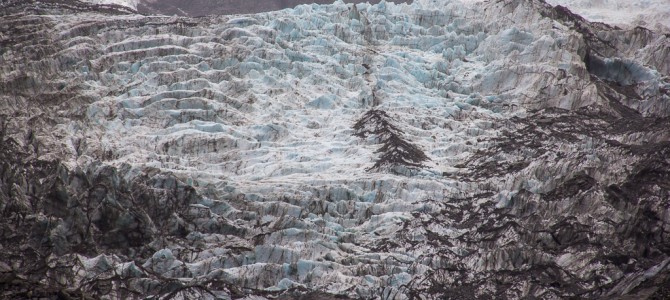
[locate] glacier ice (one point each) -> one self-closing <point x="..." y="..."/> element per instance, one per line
<point x="169" y="154"/>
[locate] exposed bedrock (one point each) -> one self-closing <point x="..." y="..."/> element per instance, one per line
<point x="220" y="157"/>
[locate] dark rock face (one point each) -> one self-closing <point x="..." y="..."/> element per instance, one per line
<point x="52" y="214"/>
<point x="215" y="157"/>
<point x="197" y="8"/>
<point x="582" y="207"/>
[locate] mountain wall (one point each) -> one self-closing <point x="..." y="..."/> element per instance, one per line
<point x="195" y="8"/>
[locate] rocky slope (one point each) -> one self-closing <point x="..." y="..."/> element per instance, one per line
<point x="653" y="14"/>
<point x="493" y="150"/>
<point x="195" y="8"/>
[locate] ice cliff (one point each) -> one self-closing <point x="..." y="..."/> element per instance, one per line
<point x="491" y="150"/>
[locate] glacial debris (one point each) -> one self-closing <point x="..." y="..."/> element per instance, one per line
<point x="396" y="154"/>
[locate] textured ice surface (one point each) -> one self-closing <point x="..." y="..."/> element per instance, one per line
<point x="654" y="14"/>
<point x="547" y="139"/>
<point x="127" y="3"/>
<point x="273" y="99"/>
<point x="651" y="13"/>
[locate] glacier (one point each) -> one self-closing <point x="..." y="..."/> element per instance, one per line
<point x="219" y="158"/>
<point x="127" y="3"/>
<point x="654" y="14"/>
